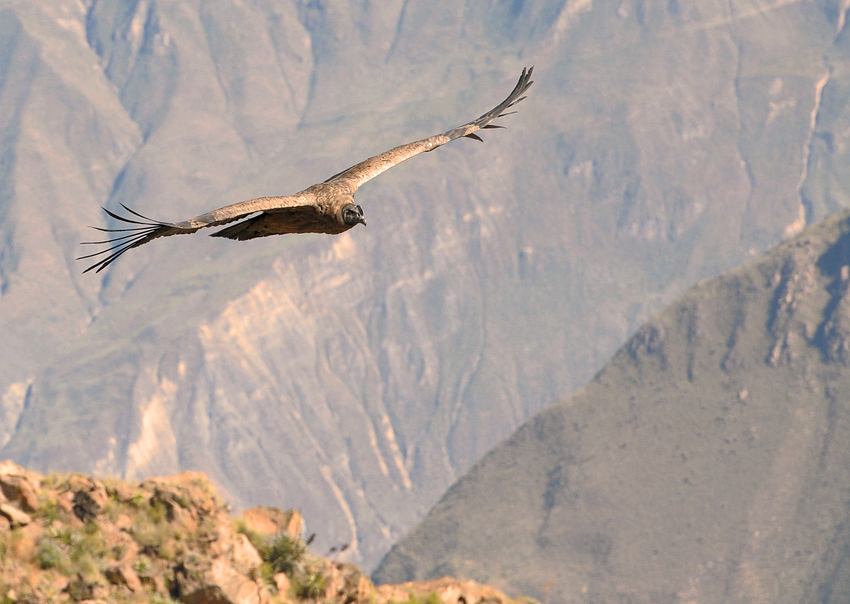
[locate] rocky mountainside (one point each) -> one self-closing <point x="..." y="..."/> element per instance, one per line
<point x="73" y="538"/>
<point x="664" y="142"/>
<point x="708" y="462"/>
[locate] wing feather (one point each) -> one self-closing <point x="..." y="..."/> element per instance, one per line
<point x="147" y="229"/>
<point x="367" y="170"/>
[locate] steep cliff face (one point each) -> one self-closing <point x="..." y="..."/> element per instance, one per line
<point x="661" y="144"/>
<point x="707" y="462"/>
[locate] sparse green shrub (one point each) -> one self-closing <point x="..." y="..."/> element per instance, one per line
<point x="311" y="585"/>
<point x="138" y="499"/>
<point x="433" y="598"/>
<point x="182" y="500"/>
<point x="113" y="509"/>
<point x="48" y="510"/>
<point x="84" y="548"/>
<point x="88" y="542"/>
<point x="412" y="598"/>
<point x="142" y="566"/>
<point x="61" y="534"/>
<point x="150" y="528"/>
<point x="284" y="553"/>
<point x="257" y="539"/>
<point x="158" y="512"/>
<point x="205" y="486"/>
<point x="267" y="573"/>
<point x="86" y="565"/>
<point x="53" y="480"/>
<point x="49" y="554"/>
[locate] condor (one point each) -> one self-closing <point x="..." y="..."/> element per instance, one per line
<point x="326" y="207"/>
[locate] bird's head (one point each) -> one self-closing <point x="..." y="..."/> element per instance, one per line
<point x="353" y="214"/>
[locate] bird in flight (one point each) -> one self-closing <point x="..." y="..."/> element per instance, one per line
<point x="326" y="207"/>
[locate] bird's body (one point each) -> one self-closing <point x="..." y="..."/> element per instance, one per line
<point x="326" y="207"/>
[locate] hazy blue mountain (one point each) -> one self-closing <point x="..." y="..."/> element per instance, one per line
<point x="357" y="377"/>
<point x="708" y="462"/>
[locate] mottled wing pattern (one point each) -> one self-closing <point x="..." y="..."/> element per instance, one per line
<point x="142" y="229"/>
<point x="366" y="170"/>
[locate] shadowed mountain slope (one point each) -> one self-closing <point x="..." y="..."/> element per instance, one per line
<point x="662" y="143"/>
<point x="709" y="460"/>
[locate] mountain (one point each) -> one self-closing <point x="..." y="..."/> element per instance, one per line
<point x="708" y="461"/>
<point x="171" y="539"/>
<point x="663" y="143"/>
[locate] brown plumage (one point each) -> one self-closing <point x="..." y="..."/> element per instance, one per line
<point x="326" y="207"/>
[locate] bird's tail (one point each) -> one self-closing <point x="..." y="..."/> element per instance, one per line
<point x="144" y="230"/>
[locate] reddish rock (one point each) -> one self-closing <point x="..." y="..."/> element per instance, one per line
<point x="269" y="521"/>
<point x="185" y="490"/>
<point x="121" y="491"/>
<point x="18" y="486"/>
<point x="79" y="589"/>
<point x="282" y="583"/>
<point x="224" y="585"/>
<point x="88" y="497"/>
<point x="244" y="554"/>
<point x="65" y="501"/>
<point x="191" y="553"/>
<point x="124" y="574"/>
<point x="450" y="591"/>
<point x="15" y="516"/>
<point x="347" y="583"/>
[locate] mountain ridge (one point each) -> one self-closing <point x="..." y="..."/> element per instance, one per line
<point x="171" y="539"/>
<point x="704" y="463"/>
<point x="492" y="280"/>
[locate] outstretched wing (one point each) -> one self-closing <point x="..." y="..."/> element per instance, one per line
<point x="143" y="229"/>
<point x="367" y="170"/>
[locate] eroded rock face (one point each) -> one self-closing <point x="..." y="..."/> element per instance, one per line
<point x="450" y="591"/>
<point x="85" y="539"/>
<point x="124" y="575"/>
<point x="707" y="461"/>
<point x="273" y="520"/>
<point x="18" y="487"/>
<point x="429" y="336"/>
<point x="15" y="516"/>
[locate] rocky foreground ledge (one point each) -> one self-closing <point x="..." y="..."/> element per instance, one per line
<point x="80" y="539"/>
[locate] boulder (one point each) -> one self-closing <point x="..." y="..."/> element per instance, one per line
<point x="79" y="589"/>
<point x="269" y="521"/>
<point x="282" y="583"/>
<point x="15" y="516"/>
<point x="186" y="490"/>
<point x="18" y="486"/>
<point x="246" y="559"/>
<point x="223" y="584"/>
<point x="85" y="506"/>
<point x="347" y="583"/>
<point x="121" y="491"/>
<point x="123" y="574"/>
<point x="450" y="591"/>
